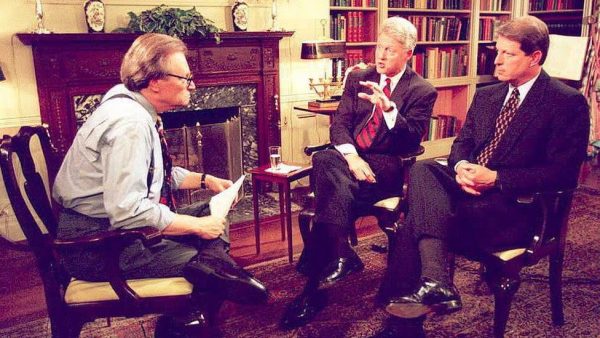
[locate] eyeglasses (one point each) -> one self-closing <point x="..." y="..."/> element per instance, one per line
<point x="188" y="79"/>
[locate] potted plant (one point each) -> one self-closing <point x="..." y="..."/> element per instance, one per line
<point x="172" y="21"/>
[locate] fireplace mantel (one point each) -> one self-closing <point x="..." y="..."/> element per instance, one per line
<point x="73" y="64"/>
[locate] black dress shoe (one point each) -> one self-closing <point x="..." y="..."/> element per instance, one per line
<point x="189" y="325"/>
<point x="431" y="297"/>
<point x="341" y="268"/>
<point x="231" y="282"/>
<point x="303" y="309"/>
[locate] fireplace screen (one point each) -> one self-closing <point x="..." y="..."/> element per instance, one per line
<point x="208" y="141"/>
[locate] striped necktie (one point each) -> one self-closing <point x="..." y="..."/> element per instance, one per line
<point x="166" y="192"/>
<point x="366" y="136"/>
<point x="506" y="115"/>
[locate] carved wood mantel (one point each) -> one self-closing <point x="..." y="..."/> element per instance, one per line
<point x="72" y="64"/>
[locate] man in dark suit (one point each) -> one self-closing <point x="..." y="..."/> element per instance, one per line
<point x="525" y="134"/>
<point x="383" y="113"/>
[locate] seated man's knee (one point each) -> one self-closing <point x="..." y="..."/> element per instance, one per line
<point x="325" y="158"/>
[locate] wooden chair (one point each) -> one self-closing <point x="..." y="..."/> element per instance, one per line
<point x="71" y="303"/>
<point x="386" y="211"/>
<point x="501" y="269"/>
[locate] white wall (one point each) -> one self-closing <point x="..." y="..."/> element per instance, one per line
<point x="18" y="94"/>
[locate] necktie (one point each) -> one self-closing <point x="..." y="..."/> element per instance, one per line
<point x="506" y="115"/>
<point x="366" y="136"/>
<point x="166" y="193"/>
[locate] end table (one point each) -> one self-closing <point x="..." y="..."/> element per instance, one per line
<point x="283" y="181"/>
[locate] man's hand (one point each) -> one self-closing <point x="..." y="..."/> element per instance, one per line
<point x="378" y="97"/>
<point x="359" y="168"/>
<point x="475" y="179"/>
<point x="210" y="227"/>
<point x="207" y="227"/>
<point x="217" y="184"/>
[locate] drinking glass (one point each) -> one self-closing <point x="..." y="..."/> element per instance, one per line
<point x="275" y="156"/>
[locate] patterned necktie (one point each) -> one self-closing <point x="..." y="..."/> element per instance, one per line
<point x="166" y="193"/>
<point x="506" y="115"/>
<point x="366" y="136"/>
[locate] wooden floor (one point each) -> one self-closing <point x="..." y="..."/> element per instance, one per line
<point x="21" y="292"/>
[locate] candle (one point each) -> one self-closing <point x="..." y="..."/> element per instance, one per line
<point x="39" y="12"/>
<point x="274" y="9"/>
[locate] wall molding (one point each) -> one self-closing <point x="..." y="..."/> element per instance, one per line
<point x="172" y="3"/>
<point x="13" y="122"/>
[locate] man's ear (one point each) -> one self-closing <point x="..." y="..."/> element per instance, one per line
<point x="535" y="58"/>
<point x="153" y="85"/>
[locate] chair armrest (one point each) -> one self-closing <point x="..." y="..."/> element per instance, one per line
<point x="309" y="150"/>
<point x="410" y="158"/>
<point x="550" y="232"/>
<point x="148" y="234"/>
<point x="114" y="242"/>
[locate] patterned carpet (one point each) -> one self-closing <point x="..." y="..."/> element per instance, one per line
<point x="351" y="311"/>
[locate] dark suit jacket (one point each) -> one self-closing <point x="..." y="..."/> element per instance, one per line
<point x="414" y="98"/>
<point x="544" y="144"/>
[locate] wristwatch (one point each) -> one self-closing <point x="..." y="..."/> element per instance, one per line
<point x="203" y="181"/>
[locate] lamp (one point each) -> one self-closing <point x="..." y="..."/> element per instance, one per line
<point x="2" y="78"/>
<point x="325" y="87"/>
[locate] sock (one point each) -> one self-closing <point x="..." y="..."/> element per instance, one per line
<point x="434" y="259"/>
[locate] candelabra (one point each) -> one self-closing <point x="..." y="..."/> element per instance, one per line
<point x="274" y="26"/>
<point x="39" y="16"/>
<point x="335" y="50"/>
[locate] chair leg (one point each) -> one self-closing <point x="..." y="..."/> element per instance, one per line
<point x="451" y="265"/>
<point x="556" y="265"/>
<point x="304" y="220"/>
<point x="353" y="236"/>
<point x="504" y="288"/>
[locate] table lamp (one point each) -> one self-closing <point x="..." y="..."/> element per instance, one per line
<point x="325" y="87"/>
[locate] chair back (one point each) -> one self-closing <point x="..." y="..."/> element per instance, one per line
<point x="53" y="276"/>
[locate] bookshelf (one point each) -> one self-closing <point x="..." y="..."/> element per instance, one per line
<point x="563" y="17"/>
<point x="455" y="49"/>
<point x="355" y="21"/>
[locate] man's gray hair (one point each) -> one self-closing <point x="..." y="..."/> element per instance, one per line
<point x="401" y="30"/>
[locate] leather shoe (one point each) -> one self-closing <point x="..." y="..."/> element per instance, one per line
<point x="192" y="324"/>
<point x="341" y="268"/>
<point x="303" y="309"/>
<point x="230" y="282"/>
<point x="431" y="297"/>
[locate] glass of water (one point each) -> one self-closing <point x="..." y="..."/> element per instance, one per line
<point x="275" y="156"/>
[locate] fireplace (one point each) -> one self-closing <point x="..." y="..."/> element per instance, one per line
<point x="207" y="141"/>
<point x="71" y="67"/>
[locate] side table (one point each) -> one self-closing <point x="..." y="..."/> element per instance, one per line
<point x="285" y="204"/>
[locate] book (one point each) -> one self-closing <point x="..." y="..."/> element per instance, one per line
<point x="325" y="104"/>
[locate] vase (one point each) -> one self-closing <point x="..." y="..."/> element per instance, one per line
<point x="94" y="15"/>
<point x="239" y="14"/>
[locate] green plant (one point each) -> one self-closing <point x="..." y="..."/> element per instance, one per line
<point x="171" y="21"/>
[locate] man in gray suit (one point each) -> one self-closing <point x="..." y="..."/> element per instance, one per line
<point x="528" y="133"/>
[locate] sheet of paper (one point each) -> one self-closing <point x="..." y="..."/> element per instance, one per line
<point x="221" y="203"/>
<point x="283" y="169"/>
<point x="566" y="56"/>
